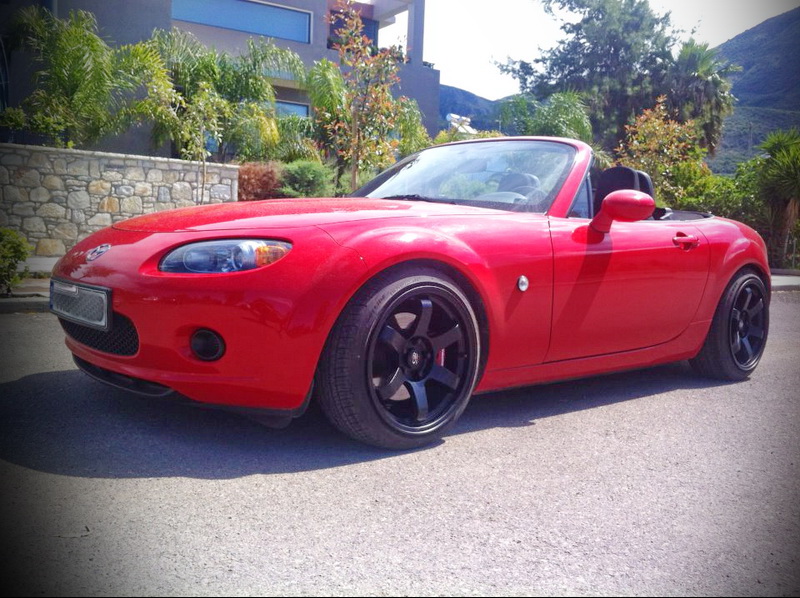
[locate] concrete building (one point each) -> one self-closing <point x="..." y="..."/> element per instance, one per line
<point x="300" y="25"/>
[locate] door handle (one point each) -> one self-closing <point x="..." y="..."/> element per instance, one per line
<point x="686" y="241"/>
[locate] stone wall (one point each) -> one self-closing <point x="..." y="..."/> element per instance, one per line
<point x="57" y="197"/>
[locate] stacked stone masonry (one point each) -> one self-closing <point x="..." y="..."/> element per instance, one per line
<point x="57" y="197"/>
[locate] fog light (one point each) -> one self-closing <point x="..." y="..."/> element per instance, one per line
<point x="207" y="345"/>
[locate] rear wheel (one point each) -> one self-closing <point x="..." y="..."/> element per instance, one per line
<point x="402" y="361"/>
<point x="738" y="332"/>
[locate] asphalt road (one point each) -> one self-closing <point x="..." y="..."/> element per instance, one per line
<point x="654" y="482"/>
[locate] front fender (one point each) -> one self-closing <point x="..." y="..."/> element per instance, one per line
<point x="491" y="259"/>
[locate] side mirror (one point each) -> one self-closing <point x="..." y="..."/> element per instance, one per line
<point x="625" y="205"/>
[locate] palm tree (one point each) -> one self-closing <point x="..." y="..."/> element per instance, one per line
<point x="238" y="90"/>
<point x="779" y="182"/>
<point x="326" y="90"/>
<point x="563" y="114"/>
<point x="85" y="88"/>
<point x="701" y="91"/>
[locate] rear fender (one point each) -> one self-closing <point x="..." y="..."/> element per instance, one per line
<point x="733" y="246"/>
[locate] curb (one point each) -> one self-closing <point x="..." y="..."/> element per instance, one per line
<point x="33" y="303"/>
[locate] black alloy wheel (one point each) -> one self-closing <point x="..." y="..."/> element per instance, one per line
<point x="418" y="358"/>
<point x="402" y="361"/>
<point x="748" y="325"/>
<point x="738" y="333"/>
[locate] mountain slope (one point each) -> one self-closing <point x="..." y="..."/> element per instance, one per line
<point x="483" y="112"/>
<point x="769" y="55"/>
<point x="767" y="88"/>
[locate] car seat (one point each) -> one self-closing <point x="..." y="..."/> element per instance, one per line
<point x="615" y="179"/>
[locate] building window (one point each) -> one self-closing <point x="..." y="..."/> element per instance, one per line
<point x="284" y="108"/>
<point x="250" y="16"/>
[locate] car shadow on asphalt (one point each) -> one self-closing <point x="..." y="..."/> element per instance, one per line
<point x="63" y="423"/>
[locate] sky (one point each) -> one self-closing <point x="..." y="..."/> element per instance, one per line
<point x="464" y="38"/>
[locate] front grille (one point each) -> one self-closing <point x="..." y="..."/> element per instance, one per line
<point x="122" y="339"/>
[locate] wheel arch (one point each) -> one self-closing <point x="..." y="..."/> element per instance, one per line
<point x="335" y="390"/>
<point x="734" y="247"/>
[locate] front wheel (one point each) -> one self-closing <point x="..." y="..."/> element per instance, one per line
<point x="402" y="361"/>
<point x="738" y="333"/>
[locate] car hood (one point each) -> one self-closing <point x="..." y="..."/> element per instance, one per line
<point x="288" y="213"/>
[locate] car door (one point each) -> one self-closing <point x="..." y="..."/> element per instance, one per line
<point x="637" y="286"/>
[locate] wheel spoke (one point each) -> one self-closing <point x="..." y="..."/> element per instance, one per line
<point x="736" y="315"/>
<point x="756" y="309"/>
<point x="748" y="293"/>
<point x="446" y="339"/>
<point x="420" y="397"/>
<point x="756" y="331"/>
<point x="444" y="376"/>
<point x="748" y="349"/>
<point x="392" y="338"/>
<point x="388" y="390"/>
<point x="424" y="318"/>
<point x="736" y="343"/>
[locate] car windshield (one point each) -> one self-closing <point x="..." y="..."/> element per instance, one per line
<point x="506" y="174"/>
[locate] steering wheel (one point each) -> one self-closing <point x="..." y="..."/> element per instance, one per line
<point x="530" y="201"/>
<point x="496" y="177"/>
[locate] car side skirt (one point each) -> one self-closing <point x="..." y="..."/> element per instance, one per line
<point x="685" y="346"/>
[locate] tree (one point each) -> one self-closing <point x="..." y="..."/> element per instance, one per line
<point x="452" y="134"/>
<point x="86" y="89"/>
<point x="779" y="184"/>
<point x="616" y="53"/>
<point x="326" y="90"/>
<point x="360" y="124"/>
<point x="699" y="90"/>
<point x="412" y="135"/>
<point x="563" y="114"/>
<point x="296" y="140"/>
<point x="667" y="150"/>
<point x="238" y="90"/>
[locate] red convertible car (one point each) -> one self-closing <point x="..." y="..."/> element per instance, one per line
<point x="465" y="268"/>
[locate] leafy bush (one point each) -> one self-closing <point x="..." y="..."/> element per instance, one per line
<point x="14" y="249"/>
<point x="259" y="180"/>
<point x="306" y="178"/>
<point x="296" y="140"/>
<point x="730" y="197"/>
<point x="667" y="150"/>
<point x="453" y="134"/>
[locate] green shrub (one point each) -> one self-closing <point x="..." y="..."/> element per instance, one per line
<point x="306" y="178"/>
<point x="14" y="249"/>
<point x="730" y="197"/>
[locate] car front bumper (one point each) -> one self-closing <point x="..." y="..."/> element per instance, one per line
<point x="273" y="320"/>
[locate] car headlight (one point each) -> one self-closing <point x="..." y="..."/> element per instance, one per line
<point x="224" y="255"/>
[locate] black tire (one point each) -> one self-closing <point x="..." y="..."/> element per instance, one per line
<point x="738" y="333"/>
<point x="402" y="360"/>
